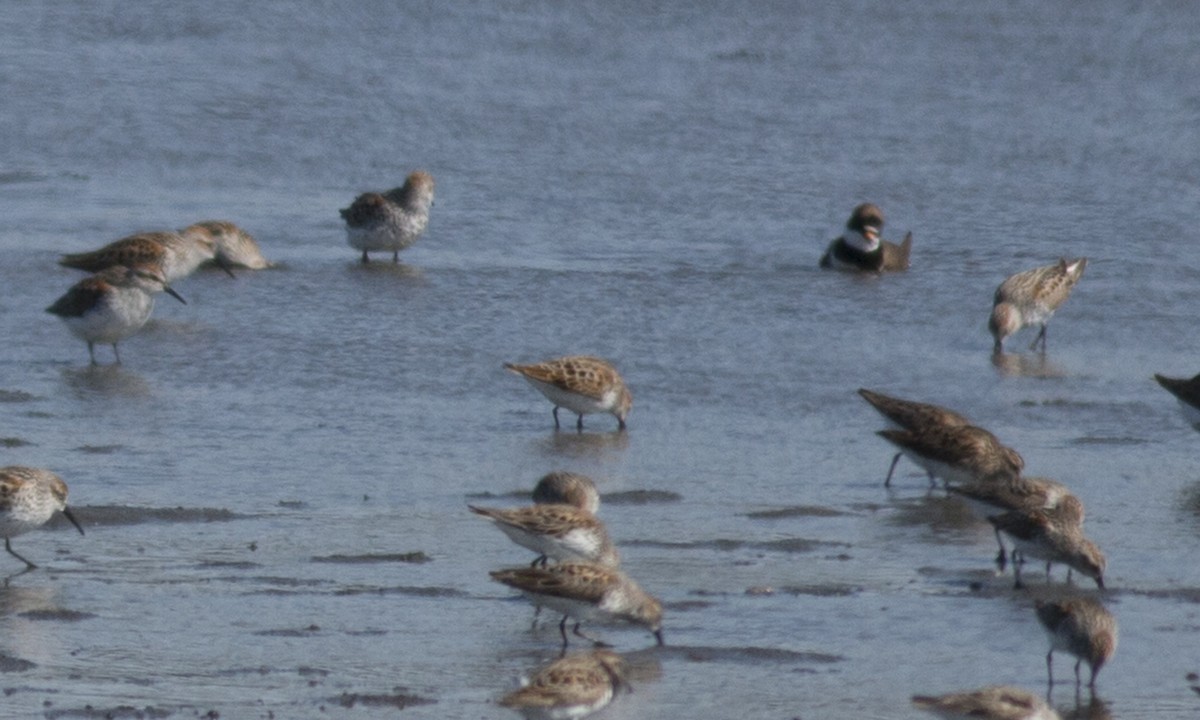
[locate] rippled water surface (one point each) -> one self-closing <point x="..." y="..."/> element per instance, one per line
<point x="274" y="483"/>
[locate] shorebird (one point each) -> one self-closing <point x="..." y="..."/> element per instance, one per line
<point x="1030" y="298"/>
<point x="861" y="248"/>
<point x="571" y="687"/>
<point x="234" y="246"/>
<point x="111" y="305"/>
<point x="567" y="488"/>
<point x="29" y="497"/>
<point x="1187" y="392"/>
<point x="580" y="383"/>
<point x="956" y="453"/>
<point x="1021" y="494"/>
<point x="996" y="702"/>
<point x="584" y="592"/>
<point x="391" y="220"/>
<point x="1054" y="535"/>
<point x="175" y="256"/>
<point x="1082" y="627"/>
<point x="910" y="415"/>
<point x="561" y="532"/>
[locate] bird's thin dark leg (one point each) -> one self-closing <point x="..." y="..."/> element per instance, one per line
<point x="1001" y="557"/>
<point x="14" y="554"/>
<point x="365" y="258"/>
<point x="556" y="425"/>
<point x="562" y="630"/>
<point x="585" y="636"/>
<point x="92" y="351"/>
<point x="1041" y="337"/>
<point x="396" y="257"/>
<point x="579" y="423"/>
<point x="887" y="482"/>
<point x="117" y="353"/>
<point x="1050" y="668"/>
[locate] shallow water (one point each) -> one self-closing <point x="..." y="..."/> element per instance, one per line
<point x="274" y="484"/>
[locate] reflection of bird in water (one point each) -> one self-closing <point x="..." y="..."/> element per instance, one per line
<point x="1033" y="366"/>
<point x="574" y="686"/>
<point x="997" y="702"/>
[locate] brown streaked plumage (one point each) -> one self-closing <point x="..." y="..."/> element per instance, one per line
<point x="582" y="384"/>
<point x="111" y="305"/>
<point x="957" y="453"/>
<point x="861" y="247"/>
<point x="1019" y="493"/>
<point x="1030" y="298"/>
<point x="561" y="532"/>
<point x="391" y="220"/>
<point x="234" y="246"/>
<point x="1080" y="626"/>
<point x="995" y="702"/>
<point x="571" y="687"/>
<point x="28" y="498"/>
<point x="909" y="414"/>
<point x="584" y="592"/>
<point x="1054" y="535"/>
<point x="174" y="255"/>
<point x="560" y="487"/>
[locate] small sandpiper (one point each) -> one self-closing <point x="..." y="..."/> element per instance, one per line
<point x="559" y="532"/>
<point x="1082" y="627"/>
<point x="1030" y="298"/>
<point x="391" y="220"/>
<point x="582" y="384"/>
<point x="234" y="247"/>
<point x="584" y="592"/>
<point x="28" y="498"/>
<point x="175" y="256"/>
<point x="111" y="305"/>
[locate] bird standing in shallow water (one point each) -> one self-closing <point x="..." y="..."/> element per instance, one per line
<point x="580" y="383"/>
<point x="391" y="220"/>
<point x="1054" y="535"/>
<point x="29" y="497"/>
<point x="586" y="591"/>
<point x="111" y="305"/>
<point x="1030" y="298"/>
<point x="1082" y="627"/>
